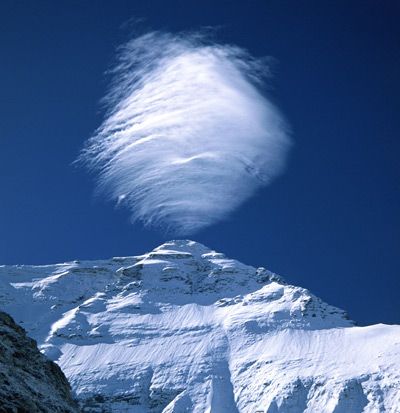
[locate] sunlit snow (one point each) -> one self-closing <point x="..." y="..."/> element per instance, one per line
<point x="185" y="329"/>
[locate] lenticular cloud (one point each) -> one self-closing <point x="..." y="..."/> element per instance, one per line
<point x="188" y="136"/>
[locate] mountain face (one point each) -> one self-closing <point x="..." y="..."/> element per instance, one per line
<point x="185" y="329"/>
<point x="29" y="382"/>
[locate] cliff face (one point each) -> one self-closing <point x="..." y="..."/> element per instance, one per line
<point x="29" y="382"/>
<point x="186" y="329"/>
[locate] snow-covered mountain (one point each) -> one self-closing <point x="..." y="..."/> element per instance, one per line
<point x="185" y="329"/>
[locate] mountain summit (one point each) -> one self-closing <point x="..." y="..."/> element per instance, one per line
<point x="185" y="329"/>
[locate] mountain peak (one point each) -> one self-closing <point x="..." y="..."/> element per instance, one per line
<point x="179" y="249"/>
<point x="186" y="245"/>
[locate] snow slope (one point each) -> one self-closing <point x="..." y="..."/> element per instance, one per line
<point x="184" y="329"/>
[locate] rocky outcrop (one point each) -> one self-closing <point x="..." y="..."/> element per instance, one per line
<point x="29" y="382"/>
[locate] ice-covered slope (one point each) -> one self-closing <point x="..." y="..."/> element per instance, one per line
<point x="184" y="329"/>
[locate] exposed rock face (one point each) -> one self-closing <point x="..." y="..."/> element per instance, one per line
<point x="185" y="329"/>
<point x="29" y="382"/>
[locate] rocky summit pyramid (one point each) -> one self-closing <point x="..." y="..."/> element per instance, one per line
<point x="185" y="329"/>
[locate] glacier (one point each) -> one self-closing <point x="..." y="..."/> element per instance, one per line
<point x="185" y="329"/>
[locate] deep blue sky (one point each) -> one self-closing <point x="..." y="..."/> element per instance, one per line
<point x="331" y="223"/>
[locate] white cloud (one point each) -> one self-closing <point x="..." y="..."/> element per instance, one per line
<point x="188" y="136"/>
